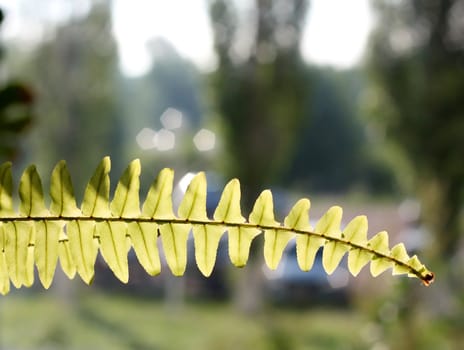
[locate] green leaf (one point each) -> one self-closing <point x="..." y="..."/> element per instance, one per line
<point x="275" y="241"/>
<point x="356" y="232"/>
<point x="159" y="201"/>
<point x="239" y="244"/>
<point x="6" y="189"/>
<point x="31" y="194"/>
<point x="4" y="276"/>
<point x="16" y="252"/>
<point x="174" y="238"/>
<point x="96" y="196"/>
<point x="399" y="253"/>
<point x="126" y="196"/>
<point x="113" y="247"/>
<point x="357" y="259"/>
<point x="83" y="248"/>
<point x="379" y="243"/>
<point x="307" y="247"/>
<point x="263" y="210"/>
<point x="228" y="209"/>
<point x="298" y="218"/>
<point x="65" y="256"/>
<point x="193" y="205"/>
<point x="62" y="193"/>
<point x="333" y="250"/>
<point x="29" y="274"/>
<point x="144" y="239"/>
<point x="46" y="250"/>
<point x="74" y="237"/>
<point x="206" y="241"/>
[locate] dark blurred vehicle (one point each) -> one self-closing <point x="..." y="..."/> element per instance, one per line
<point x="288" y="284"/>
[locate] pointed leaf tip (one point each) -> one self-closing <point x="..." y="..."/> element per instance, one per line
<point x="96" y="196"/>
<point x="158" y="203"/>
<point x="228" y="209"/>
<point x="193" y="205"/>
<point x="126" y="196"/>
<point x="263" y="210"/>
<point x="62" y="192"/>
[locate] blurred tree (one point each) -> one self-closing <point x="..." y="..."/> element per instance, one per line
<point x="15" y="112"/>
<point x="259" y="89"/>
<point x="417" y="66"/>
<point x="332" y="152"/>
<point x="76" y="76"/>
<point x="259" y="86"/>
<point x="417" y="61"/>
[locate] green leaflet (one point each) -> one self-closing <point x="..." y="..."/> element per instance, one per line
<point x="239" y="244"/>
<point x="356" y="233"/>
<point x="228" y="209"/>
<point x="46" y="250"/>
<point x="31" y="194"/>
<point x="174" y="238"/>
<point x="159" y="201"/>
<point x="333" y="250"/>
<point x="83" y="248"/>
<point x="66" y="260"/>
<point x="193" y="205"/>
<point x="275" y="241"/>
<point x="399" y="253"/>
<point x="37" y="235"/>
<point x="114" y="248"/>
<point x="18" y="235"/>
<point x="97" y="192"/>
<point x="144" y="239"/>
<point x="4" y="277"/>
<point x="62" y="193"/>
<point x="6" y="189"/>
<point x="206" y="238"/>
<point x="379" y="243"/>
<point x="126" y="196"/>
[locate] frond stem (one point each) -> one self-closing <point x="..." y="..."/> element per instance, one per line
<point x="425" y="276"/>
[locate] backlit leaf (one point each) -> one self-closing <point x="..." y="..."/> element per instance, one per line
<point x="83" y="248"/>
<point x="113" y="247"/>
<point x="159" y="201"/>
<point x="41" y="235"/>
<point x="126" y="196"/>
<point x="97" y="192"/>
<point x="62" y="193"/>
<point x="6" y="189"/>
<point x="46" y="250"/>
<point x="174" y="238"/>
<point x="144" y="239"/>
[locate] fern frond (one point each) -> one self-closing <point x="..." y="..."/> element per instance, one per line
<point x="41" y="236"/>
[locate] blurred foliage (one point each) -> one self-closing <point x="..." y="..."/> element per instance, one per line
<point x="97" y="321"/>
<point x="417" y="62"/>
<point x="417" y="101"/>
<point x="16" y="114"/>
<point x="76" y="75"/>
<point x="259" y="87"/>
<point x="171" y="82"/>
<point x="287" y="122"/>
<point x="333" y="152"/>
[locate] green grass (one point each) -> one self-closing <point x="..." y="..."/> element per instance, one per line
<point x="104" y="321"/>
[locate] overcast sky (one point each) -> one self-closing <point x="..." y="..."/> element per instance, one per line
<point x="336" y="33"/>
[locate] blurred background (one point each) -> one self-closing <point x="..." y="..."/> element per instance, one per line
<point x="358" y="103"/>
